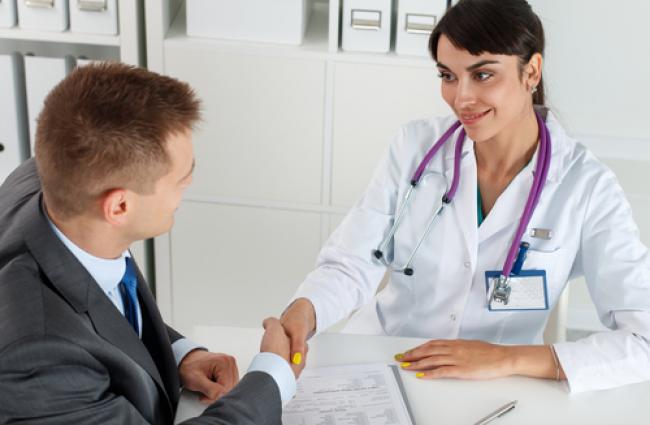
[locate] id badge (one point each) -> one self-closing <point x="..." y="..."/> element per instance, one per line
<point x="528" y="291"/>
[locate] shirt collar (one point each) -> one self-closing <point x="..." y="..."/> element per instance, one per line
<point x="107" y="273"/>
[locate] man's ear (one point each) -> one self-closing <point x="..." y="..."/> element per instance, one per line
<point x="115" y="206"/>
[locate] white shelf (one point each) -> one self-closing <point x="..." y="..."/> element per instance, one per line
<point x="315" y="45"/>
<point x="60" y="37"/>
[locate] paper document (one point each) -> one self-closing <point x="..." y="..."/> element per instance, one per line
<point x="367" y="394"/>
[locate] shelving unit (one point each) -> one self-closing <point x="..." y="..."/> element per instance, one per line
<point x="128" y="47"/>
<point x="130" y="42"/>
<point x="290" y="138"/>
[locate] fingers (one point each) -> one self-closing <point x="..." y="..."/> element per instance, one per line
<point x="210" y="391"/>
<point x="451" y="372"/>
<point x="226" y="372"/>
<point x="430" y="348"/>
<point x="429" y="363"/>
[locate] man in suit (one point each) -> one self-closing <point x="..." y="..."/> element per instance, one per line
<point x="81" y="338"/>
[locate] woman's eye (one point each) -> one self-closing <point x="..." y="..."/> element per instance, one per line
<point x="482" y="76"/>
<point x="446" y="76"/>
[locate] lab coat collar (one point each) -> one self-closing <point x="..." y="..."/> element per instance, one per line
<point x="506" y="213"/>
<point x="560" y="147"/>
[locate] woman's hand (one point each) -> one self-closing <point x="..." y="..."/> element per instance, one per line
<point x="299" y="322"/>
<point x="458" y="358"/>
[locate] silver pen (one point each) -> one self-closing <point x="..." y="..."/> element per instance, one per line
<point x="497" y="413"/>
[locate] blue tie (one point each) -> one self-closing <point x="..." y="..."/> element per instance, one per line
<point x="129" y="292"/>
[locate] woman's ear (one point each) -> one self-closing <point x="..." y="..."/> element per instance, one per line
<point x="533" y="71"/>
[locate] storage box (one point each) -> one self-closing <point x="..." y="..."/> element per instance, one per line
<point x="415" y="21"/>
<point x="45" y="15"/>
<point x="94" y="16"/>
<point x="277" y="21"/>
<point x="7" y="13"/>
<point x="366" y="25"/>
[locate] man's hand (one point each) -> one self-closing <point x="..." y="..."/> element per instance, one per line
<point x="299" y="322"/>
<point x="276" y="341"/>
<point x="210" y="374"/>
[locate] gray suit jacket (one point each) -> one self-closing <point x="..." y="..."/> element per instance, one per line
<point x="67" y="355"/>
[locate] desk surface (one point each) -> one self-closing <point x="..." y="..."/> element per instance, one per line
<point x="446" y="402"/>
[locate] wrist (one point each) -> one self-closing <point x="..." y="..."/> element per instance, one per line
<point x="303" y="309"/>
<point x="512" y="360"/>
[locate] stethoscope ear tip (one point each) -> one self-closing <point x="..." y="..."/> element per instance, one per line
<point x="408" y="271"/>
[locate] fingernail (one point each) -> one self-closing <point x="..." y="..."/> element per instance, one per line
<point x="406" y="364"/>
<point x="419" y="375"/>
<point x="399" y="357"/>
<point x="297" y="358"/>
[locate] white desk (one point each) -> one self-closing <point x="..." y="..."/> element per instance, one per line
<point x="446" y="402"/>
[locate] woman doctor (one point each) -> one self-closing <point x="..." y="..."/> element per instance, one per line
<point x="480" y="237"/>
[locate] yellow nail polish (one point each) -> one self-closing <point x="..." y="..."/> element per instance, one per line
<point x="406" y="364"/>
<point x="419" y="375"/>
<point x="399" y="357"/>
<point x="297" y="358"/>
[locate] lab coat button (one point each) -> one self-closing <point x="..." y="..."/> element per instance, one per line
<point x="467" y="264"/>
<point x="452" y="317"/>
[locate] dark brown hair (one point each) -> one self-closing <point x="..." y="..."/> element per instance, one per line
<point x="506" y="27"/>
<point x="106" y="126"/>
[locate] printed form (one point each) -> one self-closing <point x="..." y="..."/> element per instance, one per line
<point x="367" y="394"/>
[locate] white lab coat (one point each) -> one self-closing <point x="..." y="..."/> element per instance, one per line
<point x="594" y="235"/>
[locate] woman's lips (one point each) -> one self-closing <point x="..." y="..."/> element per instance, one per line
<point x="472" y="118"/>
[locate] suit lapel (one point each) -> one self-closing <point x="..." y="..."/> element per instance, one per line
<point x="156" y="339"/>
<point x="80" y="290"/>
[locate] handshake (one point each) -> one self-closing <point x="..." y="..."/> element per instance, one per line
<point x="287" y="337"/>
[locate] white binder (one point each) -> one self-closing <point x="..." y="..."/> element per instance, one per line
<point x="277" y="21"/>
<point x="366" y="25"/>
<point x="45" y="15"/>
<point x="415" y="21"/>
<point x="94" y="16"/>
<point x="7" y="13"/>
<point x="14" y="146"/>
<point x="41" y="75"/>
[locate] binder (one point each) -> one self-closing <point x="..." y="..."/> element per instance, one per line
<point x="41" y="75"/>
<point x="366" y="25"/>
<point x="94" y="17"/>
<point x="415" y="21"/>
<point x="44" y="15"/>
<point x="7" y="13"/>
<point x="14" y="145"/>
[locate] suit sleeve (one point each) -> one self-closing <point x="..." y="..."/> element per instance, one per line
<point x="616" y="267"/>
<point x="254" y="401"/>
<point x="51" y="381"/>
<point x="48" y="380"/>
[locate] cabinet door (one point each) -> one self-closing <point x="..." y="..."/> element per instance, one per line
<point x="238" y="265"/>
<point x="262" y="135"/>
<point x="370" y="104"/>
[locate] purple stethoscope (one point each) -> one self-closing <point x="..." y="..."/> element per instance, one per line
<point x="501" y="291"/>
